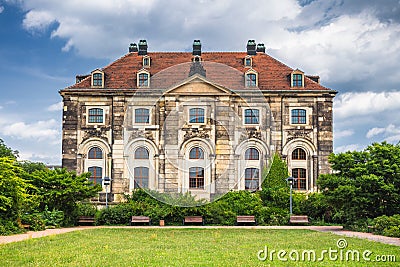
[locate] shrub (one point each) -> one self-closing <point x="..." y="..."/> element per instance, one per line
<point x="116" y="215"/>
<point x="35" y="221"/>
<point x="387" y="225"/>
<point x="52" y="218"/>
<point x="8" y="227"/>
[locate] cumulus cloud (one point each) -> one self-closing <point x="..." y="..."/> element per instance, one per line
<point x="345" y="148"/>
<point x="38" y="20"/>
<point x="365" y="103"/>
<point x="343" y="133"/>
<point x="390" y="133"/>
<point x="38" y="131"/>
<point x="1" y="9"/>
<point x="56" y="107"/>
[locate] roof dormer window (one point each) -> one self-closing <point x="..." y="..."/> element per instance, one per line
<point x="143" y="78"/>
<point x="297" y="79"/>
<point x="251" y="79"/>
<point x="98" y="79"/>
<point x="146" y="61"/>
<point x="248" y="61"/>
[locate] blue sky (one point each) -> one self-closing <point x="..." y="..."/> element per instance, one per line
<point x="353" y="45"/>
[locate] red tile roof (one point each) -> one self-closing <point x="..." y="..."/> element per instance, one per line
<point x="223" y="68"/>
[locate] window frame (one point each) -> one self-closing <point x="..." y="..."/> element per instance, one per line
<point x="139" y="79"/>
<point x="249" y="82"/>
<point x="141" y="177"/>
<point x="252" y="178"/>
<point x="301" y="182"/>
<point x="296" y="119"/>
<point x="97" y="82"/>
<point x="248" y="61"/>
<point x="196" y="119"/>
<point x="148" y="63"/>
<point x="93" y="177"/>
<point x="96" y="116"/>
<point x="299" y="154"/>
<point x="246" y="116"/>
<point x="196" y="182"/>
<point x="250" y="155"/>
<point x="135" y="116"/>
<point x="198" y="153"/>
<point x="297" y="79"/>
<point x="138" y="154"/>
<point x="95" y="153"/>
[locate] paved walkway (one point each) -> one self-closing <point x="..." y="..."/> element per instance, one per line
<point x="338" y="230"/>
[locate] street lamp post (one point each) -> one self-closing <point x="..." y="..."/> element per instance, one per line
<point x="107" y="182"/>
<point x="291" y="180"/>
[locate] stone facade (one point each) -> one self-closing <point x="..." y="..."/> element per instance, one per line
<point x="206" y="123"/>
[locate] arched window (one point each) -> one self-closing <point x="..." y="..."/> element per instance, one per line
<point x="97" y="175"/>
<point x="301" y="175"/>
<point x="95" y="115"/>
<point x="196" y="153"/>
<point x="141" y="177"/>
<point x="299" y="116"/>
<point x="251" y="178"/>
<point x="196" y="178"/>
<point x="141" y="153"/>
<point x="95" y="153"/>
<point x="299" y="154"/>
<point x="252" y="154"/>
<point x="196" y="115"/>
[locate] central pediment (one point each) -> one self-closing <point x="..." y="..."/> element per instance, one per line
<point x="197" y="85"/>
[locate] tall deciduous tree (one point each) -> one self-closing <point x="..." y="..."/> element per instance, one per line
<point x="5" y="151"/>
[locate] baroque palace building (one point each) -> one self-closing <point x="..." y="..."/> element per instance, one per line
<point x="203" y="122"/>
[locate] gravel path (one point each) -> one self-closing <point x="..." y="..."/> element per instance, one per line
<point x="338" y="230"/>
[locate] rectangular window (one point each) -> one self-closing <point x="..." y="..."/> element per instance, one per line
<point x="251" y="179"/>
<point x="96" y="176"/>
<point x="247" y="62"/>
<point x="142" y="115"/>
<point x="97" y="79"/>
<point x="300" y="175"/>
<point x="95" y="115"/>
<point x="196" y="178"/>
<point x="143" y="80"/>
<point x="251" y="80"/>
<point x="251" y="116"/>
<point x="196" y="115"/>
<point x="297" y="80"/>
<point x="299" y="116"/>
<point x="141" y="177"/>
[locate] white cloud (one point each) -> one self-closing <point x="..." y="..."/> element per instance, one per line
<point x="345" y="148"/>
<point x="1" y="9"/>
<point x="344" y="133"/>
<point x="38" y="20"/>
<point x="391" y="133"/>
<point x="356" y="104"/>
<point x="56" y="107"/>
<point x="38" y="131"/>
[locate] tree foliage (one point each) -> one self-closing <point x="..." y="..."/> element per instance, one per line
<point x="5" y="151"/>
<point x="364" y="184"/>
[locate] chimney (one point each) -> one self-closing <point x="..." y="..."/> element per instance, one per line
<point x="251" y="48"/>
<point x="133" y="48"/>
<point x="142" y="47"/>
<point x="196" y="48"/>
<point x="261" y="48"/>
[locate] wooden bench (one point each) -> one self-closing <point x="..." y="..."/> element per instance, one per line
<point x="246" y="219"/>
<point x="299" y="219"/>
<point x="26" y="226"/>
<point x="140" y="219"/>
<point x="370" y="229"/>
<point x="193" y="219"/>
<point x="86" y="220"/>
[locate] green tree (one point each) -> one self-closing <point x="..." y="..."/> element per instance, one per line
<point x="5" y="151"/>
<point x="60" y="189"/>
<point x="13" y="190"/>
<point x="364" y="184"/>
<point x="275" y="191"/>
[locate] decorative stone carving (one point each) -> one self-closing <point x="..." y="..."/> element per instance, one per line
<point x="303" y="133"/>
<point x="141" y="134"/>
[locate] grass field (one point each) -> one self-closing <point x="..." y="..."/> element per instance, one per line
<point x="186" y="247"/>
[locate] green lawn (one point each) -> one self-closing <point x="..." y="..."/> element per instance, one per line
<point x="184" y="247"/>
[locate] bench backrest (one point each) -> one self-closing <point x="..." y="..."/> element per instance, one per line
<point x="140" y="219"/>
<point x="193" y="218"/>
<point x="299" y="218"/>
<point x="245" y="218"/>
